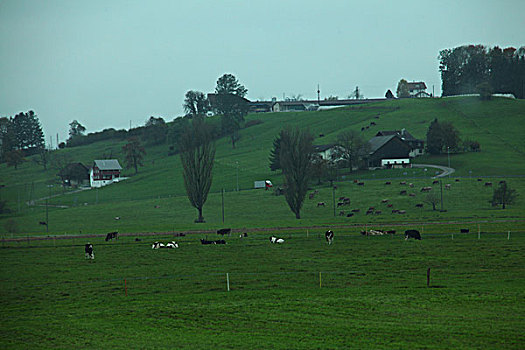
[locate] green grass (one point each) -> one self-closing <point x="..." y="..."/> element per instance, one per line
<point x="495" y="124"/>
<point x="372" y="294"/>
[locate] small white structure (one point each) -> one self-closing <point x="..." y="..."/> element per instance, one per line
<point x="262" y="184"/>
<point x="395" y="163"/>
<point x="104" y="172"/>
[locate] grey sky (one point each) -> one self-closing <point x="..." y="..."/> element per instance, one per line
<point x="105" y="63"/>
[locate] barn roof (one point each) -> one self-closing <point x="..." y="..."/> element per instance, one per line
<point x="377" y="142"/>
<point x="108" y="164"/>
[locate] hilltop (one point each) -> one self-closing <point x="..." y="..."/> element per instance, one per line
<point x="495" y="124"/>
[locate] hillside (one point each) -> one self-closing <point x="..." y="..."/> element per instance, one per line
<point x="496" y="124"/>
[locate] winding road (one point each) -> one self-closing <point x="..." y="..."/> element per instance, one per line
<point x="446" y="171"/>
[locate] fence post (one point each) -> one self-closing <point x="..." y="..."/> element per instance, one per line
<point x="479" y="231"/>
<point x="428" y="277"/>
<point x="228" y="281"/>
<point x="320" y="284"/>
<point x="125" y="287"/>
<point x="508" y="235"/>
<point x="452" y="236"/>
<point x="307" y="233"/>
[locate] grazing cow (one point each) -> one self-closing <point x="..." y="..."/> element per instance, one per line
<point x="117" y="217"/>
<point x="435" y="182"/>
<point x="157" y="206"/>
<point x="111" y="235"/>
<point x="411" y="194"/>
<point x="384" y="201"/>
<point x="391" y="232"/>
<point x="464" y="230"/>
<point x="220" y="241"/>
<point x="356" y="210"/>
<point x="341" y="198"/>
<point x="378" y="212"/>
<point x="480" y="180"/>
<point x="447" y="187"/>
<point x="349" y="215"/>
<point x="43" y="223"/>
<point x="419" y="205"/>
<point x="395" y="211"/>
<point x="311" y="196"/>
<point x="411" y="185"/>
<point x="346" y="200"/>
<point x="342" y="213"/>
<point x="488" y="184"/>
<point x="329" y="235"/>
<point x="457" y="180"/>
<point x="502" y="182"/>
<point x="363" y="128"/>
<point x="368" y="212"/>
<point x="89" y="251"/>
<point x="388" y="183"/>
<point x="340" y="204"/>
<point x="403" y="183"/>
<point x="412" y="234"/>
<point x="401" y="211"/>
<point x="172" y="245"/>
<point x="243" y="235"/>
<point x="372" y="123"/>
<point x="276" y="240"/>
<point x="389" y="205"/>
<point x="403" y="193"/>
<point x="321" y="204"/>
<point x="360" y="184"/>
<point x="224" y="231"/>
<point x="137" y="239"/>
<point x="321" y="135"/>
<point x="426" y="189"/>
<point x="204" y="241"/>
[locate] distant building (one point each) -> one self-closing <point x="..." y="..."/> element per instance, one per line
<point x="390" y="148"/>
<point x="417" y="147"/>
<point x="415" y="89"/>
<point x="74" y="174"/>
<point x="104" y="172"/>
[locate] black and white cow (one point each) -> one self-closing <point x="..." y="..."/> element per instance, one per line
<point x="111" y="235"/>
<point x="220" y="241"/>
<point x="172" y="245"/>
<point x="224" y="231"/>
<point x="89" y="251"/>
<point x="276" y="240"/>
<point x="329" y="235"/>
<point x="412" y="234"/>
<point x="157" y="245"/>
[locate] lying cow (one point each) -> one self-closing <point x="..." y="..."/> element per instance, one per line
<point x="111" y="235"/>
<point x="89" y="251"/>
<point x="157" y="245"/>
<point x="205" y="241"/>
<point x="464" y="230"/>
<point x="172" y="245"/>
<point x="276" y="240"/>
<point x="220" y="241"/>
<point x="412" y="234"/>
<point x="329" y="235"/>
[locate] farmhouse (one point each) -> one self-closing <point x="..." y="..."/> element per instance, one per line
<point x="104" y="172"/>
<point x="415" y="89"/>
<point x="391" y="149"/>
<point x="327" y="152"/>
<point x="417" y="147"/>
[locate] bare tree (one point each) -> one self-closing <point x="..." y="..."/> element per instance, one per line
<point x="433" y="199"/>
<point x="352" y="147"/>
<point x="296" y="162"/>
<point x="504" y="195"/>
<point x="197" y="155"/>
<point x="134" y="153"/>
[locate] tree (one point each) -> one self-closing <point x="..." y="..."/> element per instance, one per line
<point x="319" y="167"/>
<point x="197" y="155"/>
<point x="402" y="89"/>
<point x="389" y="94"/>
<point x="196" y="103"/>
<point x="133" y="153"/>
<point x="231" y="104"/>
<point x="433" y="199"/>
<point x="155" y="131"/>
<point x="275" y="154"/>
<point x="352" y="148"/>
<point x="296" y="160"/>
<point x="76" y="129"/>
<point x="27" y="132"/>
<point x="7" y="138"/>
<point x="503" y="195"/>
<point x="357" y="94"/>
<point x="451" y="137"/>
<point x="14" y="158"/>
<point x="434" y="138"/>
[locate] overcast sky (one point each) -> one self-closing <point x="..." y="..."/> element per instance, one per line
<point x="106" y="63"/>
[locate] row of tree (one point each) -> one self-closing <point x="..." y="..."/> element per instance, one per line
<point x="475" y="68"/>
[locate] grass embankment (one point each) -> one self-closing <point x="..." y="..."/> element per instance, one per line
<point x="371" y="293"/>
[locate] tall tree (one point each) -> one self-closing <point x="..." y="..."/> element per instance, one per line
<point x="402" y="89"/>
<point x="296" y="161"/>
<point x="155" y="131"/>
<point x="197" y="155"/>
<point x="352" y="148"/>
<point x="442" y="136"/>
<point x="231" y="104"/>
<point x="275" y="154"/>
<point x="389" y="94"/>
<point x="196" y="104"/>
<point x="76" y="129"/>
<point x="133" y="153"/>
<point x="504" y="195"/>
<point x="27" y="132"/>
<point x="14" y="158"/>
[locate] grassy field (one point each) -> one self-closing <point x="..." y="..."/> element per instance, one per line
<point x="495" y="124"/>
<point x="357" y="293"/>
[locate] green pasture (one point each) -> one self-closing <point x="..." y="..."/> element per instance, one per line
<point x="496" y="124"/>
<point x="360" y="292"/>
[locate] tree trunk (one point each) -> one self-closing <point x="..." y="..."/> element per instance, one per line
<point x="503" y="205"/>
<point x="298" y="215"/>
<point x="201" y="218"/>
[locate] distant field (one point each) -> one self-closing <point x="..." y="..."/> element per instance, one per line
<point x="495" y="124"/>
<point x="357" y="293"/>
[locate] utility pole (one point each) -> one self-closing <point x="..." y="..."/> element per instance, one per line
<point x="237" y="162"/>
<point x="441" y="185"/>
<point x="318" y="94"/>
<point x="448" y="154"/>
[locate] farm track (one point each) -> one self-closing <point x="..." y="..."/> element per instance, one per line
<point x="258" y="229"/>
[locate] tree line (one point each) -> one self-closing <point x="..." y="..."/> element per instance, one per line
<point x="478" y="69"/>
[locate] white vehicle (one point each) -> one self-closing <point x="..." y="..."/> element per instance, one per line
<point x="262" y="184"/>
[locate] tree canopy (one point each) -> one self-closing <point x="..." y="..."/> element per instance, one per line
<point x="402" y="89"/>
<point x="196" y="104"/>
<point x="442" y="136"/>
<point x="134" y="152"/>
<point x="504" y="195"/>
